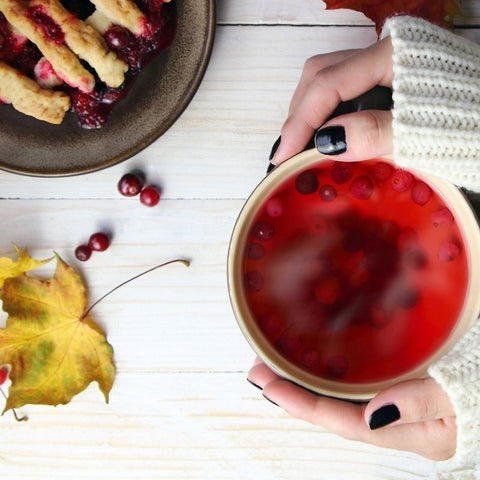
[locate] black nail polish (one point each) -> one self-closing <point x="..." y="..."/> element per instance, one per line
<point x="384" y="416"/>
<point x="331" y="140"/>
<point x="275" y="147"/>
<point x="254" y="384"/>
<point x="271" y="401"/>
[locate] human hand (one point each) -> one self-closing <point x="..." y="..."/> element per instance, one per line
<point x="414" y="415"/>
<point x="328" y="80"/>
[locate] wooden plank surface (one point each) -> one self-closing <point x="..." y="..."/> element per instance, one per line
<point x="181" y="407"/>
<point x="314" y="12"/>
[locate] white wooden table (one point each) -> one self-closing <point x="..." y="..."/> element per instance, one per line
<point x="181" y="407"/>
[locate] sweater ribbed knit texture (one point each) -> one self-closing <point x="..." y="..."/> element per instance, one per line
<point x="436" y="129"/>
<point x="436" y="115"/>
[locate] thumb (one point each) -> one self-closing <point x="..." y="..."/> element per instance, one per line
<point x="357" y="136"/>
<point x="411" y="401"/>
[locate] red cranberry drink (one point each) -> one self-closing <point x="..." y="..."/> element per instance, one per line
<point x="355" y="272"/>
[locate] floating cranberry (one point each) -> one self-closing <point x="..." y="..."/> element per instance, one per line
<point x="407" y="238"/>
<point x="358" y="276"/>
<point x="379" y="318"/>
<point x="274" y="207"/>
<point x="421" y="193"/>
<point x="254" y="281"/>
<point x="307" y="182"/>
<point x="327" y="290"/>
<point x="362" y="187"/>
<point x="271" y="324"/>
<point x="289" y="342"/>
<point x="407" y="297"/>
<point x="328" y="193"/>
<point x="442" y="218"/>
<point x="416" y="259"/>
<point x="263" y="231"/>
<point x="317" y="225"/>
<point x="341" y="172"/>
<point x="349" y="219"/>
<point x="255" y="251"/>
<point x="390" y="232"/>
<point x="401" y="181"/>
<point x="371" y="226"/>
<point x="352" y="241"/>
<point x="83" y="253"/>
<point x="337" y="366"/>
<point x="381" y="171"/>
<point x="448" y="252"/>
<point x="150" y="196"/>
<point x="99" y="242"/>
<point x="130" y="185"/>
<point x="311" y="358"/>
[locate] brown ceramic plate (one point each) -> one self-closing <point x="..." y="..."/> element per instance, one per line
<point x="160" y="95"/>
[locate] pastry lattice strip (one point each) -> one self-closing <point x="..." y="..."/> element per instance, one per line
<point x="124" y="13"/>
<point x="87" y="43"/>
<point x="28" y="97"/>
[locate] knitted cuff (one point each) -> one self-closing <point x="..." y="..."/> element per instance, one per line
<point x="458" y="373"/>
<point x="436" y="94"/>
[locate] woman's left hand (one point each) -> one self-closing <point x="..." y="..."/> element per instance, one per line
<point x="414" y="415"/>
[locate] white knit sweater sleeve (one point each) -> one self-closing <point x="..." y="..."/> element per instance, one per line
<point x="436" y="129"/>
<point x="458" y="373"/>
<point x="436" y="94"/>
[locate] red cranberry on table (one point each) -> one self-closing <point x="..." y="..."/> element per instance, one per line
<point x="130" y="185"/>
<point x="99" y="242"/>
<point x="150" y="196"/>
<point x="83" y="253"/>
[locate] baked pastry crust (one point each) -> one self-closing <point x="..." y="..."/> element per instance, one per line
<point x="65" y="63"/>
<point x="87" y="43"/>
<point x="124" y="13"/>
<point x="28" y="97"/>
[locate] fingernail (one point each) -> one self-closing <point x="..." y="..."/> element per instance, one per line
<point x="384" y="416"/>
<point x="271" y="401"/>
<point x="254" y="384"/>
<point x="331" y="140"/>
<point x="275" y="147"/>
<point x="271" y="166"/>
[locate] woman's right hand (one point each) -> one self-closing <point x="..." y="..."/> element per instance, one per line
<point x="326" y="81"/>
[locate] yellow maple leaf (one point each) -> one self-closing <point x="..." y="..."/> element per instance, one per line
<point x="54" y="350"/>
<point x="12" y="268"/>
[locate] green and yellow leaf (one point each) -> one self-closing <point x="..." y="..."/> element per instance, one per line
<point x="54" y="352"/>
<point x="13" y="268"/>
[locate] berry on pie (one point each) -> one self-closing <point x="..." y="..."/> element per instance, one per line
<point x="57" y="55"/>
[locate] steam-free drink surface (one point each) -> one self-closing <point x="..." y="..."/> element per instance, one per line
<point x="355" y="271"/>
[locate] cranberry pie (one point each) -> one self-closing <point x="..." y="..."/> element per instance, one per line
<point x="80" y="55"/>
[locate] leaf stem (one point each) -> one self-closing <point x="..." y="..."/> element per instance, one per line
<point x="24" y="418"/>
<point x="178" y="260"/>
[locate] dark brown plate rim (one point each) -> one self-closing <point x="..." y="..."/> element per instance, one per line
<point x="9" y="161"/>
